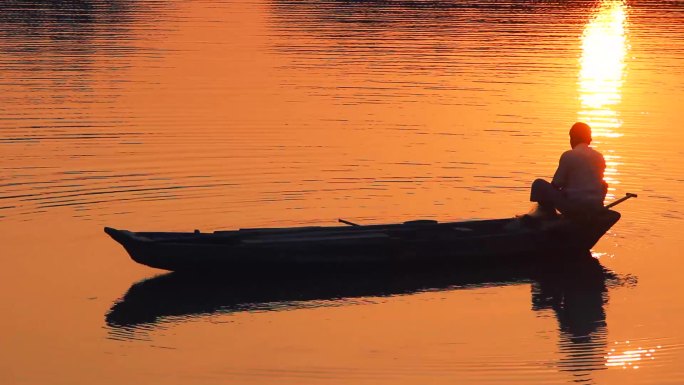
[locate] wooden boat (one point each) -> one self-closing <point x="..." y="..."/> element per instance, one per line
<point x="414" y="243"/>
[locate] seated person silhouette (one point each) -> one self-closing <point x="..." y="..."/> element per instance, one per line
<point x="577" y="187"/>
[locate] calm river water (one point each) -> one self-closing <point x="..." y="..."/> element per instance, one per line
<point x="211" y="114"/>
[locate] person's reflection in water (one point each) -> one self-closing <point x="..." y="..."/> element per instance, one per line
<point x="577" y="297"/>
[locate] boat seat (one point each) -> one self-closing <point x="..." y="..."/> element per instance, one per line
<point x="421" y="222"/>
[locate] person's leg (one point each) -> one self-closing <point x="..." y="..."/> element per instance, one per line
<point x="547" y="196"/>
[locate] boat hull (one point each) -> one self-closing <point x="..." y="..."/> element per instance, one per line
<point x="418" y="243"/>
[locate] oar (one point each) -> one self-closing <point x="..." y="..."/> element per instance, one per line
<point x="347" y="222"/>
<point x="617" y="202"/>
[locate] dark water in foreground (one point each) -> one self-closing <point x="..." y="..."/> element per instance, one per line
<point x="169" y="115"/>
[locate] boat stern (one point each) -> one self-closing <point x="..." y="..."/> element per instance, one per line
<point x="596" y="227"/>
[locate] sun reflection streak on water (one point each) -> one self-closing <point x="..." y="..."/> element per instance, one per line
<point x="602" y="67"/>
<point x="630" y="357"/>
<point x="602" y="64"/>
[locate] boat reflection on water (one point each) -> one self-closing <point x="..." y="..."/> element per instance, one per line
<point x="574" y="292"/>
<point x="175" y="297"/>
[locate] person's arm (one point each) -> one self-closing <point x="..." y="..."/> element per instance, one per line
<point x="560" y="178"/>
<point x="603" y="181"/>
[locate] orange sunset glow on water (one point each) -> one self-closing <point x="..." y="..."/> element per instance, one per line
<point x="601" y="77"/>
<point x="203" y="116"/>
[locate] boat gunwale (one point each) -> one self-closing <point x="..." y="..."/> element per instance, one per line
<point x="245" y="234"/>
